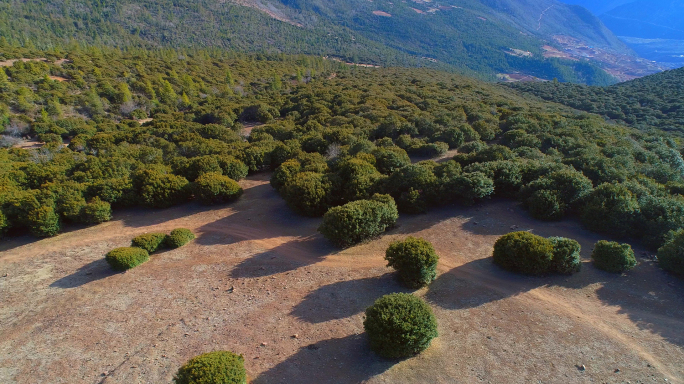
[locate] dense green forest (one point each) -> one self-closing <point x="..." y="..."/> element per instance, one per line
<point x="333" y="134"/>
<point x="468" y="39"/>
<point x="652" y="101"/>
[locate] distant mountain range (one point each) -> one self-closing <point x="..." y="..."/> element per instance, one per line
<point x="653" y="28"/>
<point x="539" y="38"/>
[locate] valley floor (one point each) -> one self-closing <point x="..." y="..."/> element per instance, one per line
<point x="260" y="281"/>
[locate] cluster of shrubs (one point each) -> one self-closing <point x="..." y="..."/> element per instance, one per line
<point x="124" y="258"/>
<point x="526" y="253"/>
<point x="311" y="185"/>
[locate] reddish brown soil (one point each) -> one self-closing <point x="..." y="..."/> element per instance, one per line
<point x="259" y="274"/>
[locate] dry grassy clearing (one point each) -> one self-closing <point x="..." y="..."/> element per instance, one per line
<point x="258" y="274"/>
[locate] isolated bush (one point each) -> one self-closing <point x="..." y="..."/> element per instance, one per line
<point x="43" y="221"/>
<point x="399" y="325"/>
<point x="524" y="252"/>
<point x="566" y="256"/>
<point x="613" y="257"/>
<point x="121" y="259"/>
<point x="214" y="188"/>
<point x="415" y="259"/>
<point x="178" y="238"/>
<point x="218" y="367"/>
<point x="150" y="242"/>
<point x="359" y="220"/>
<point x="96" y="211"/>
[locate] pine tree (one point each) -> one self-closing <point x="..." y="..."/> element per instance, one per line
<point x="277" y="83"/>
<point x="229" y="78"/>
<point x="124" y="94"/>
<point x="54" y="108"/>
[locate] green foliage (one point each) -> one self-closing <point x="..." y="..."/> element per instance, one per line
<point x="121" y="259"/>
<point x="308" y="193"/>
<point x="96" y="211"/>
<point x="150" y="242"/>
<point x="389" y="160"/>
<point x="218" y="367"/>
<point x="359" y="220"/>
<point x="43" y="221"/>
<point x="415" y="259"/>
<point x="613" y="257"/>
<point x="523" y="252"/>
<point x="545" y="205"/>
<point x="178" y="238"/>
<point x="399" y="325"/>
<point x="214" y="188"/>
<point x="611" y="208"/>
<point x="161" y="190"/>
<point x="413" y="187"/>
<point x="649" y="101"/>
<point x="566" y="256"/>
<point x="671" y="255"/>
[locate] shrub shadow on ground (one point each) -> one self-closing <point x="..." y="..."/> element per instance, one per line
<point x="345" y="298"/>
<point x="651" y="299"/>
<point x="286" y="257"/>
<point x="93" y="271"/>
<point x="346" y="360"/>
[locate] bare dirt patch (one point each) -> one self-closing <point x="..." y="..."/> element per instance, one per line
<point x="259" y="274"/>
<point x="381" y="13"/>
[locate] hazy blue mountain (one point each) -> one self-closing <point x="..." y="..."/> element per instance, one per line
<point x="597" y="7"/>
<point x="648" y="19"/>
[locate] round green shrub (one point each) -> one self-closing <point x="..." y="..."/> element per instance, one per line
<point x="523" y="252"/>
<point x="233" y="168"/>
<point x="214" y="188"/>
<point x="415" y="259"/>
<point x="178" y="238"/>
<point x="671" y="255"/>
<point x="613" y="257"/>
<point x="399" y="325"/>
<point x="161" y="190"/>
<point x="359" y="220"/>
<point x="96" y="211"/>
<point x="611" y="208"/>
<point x="121" y="259"/>
<point x="308" y="193"/>
<point x="43" y="221"/>
<point x="545" y="205"/>
<point x="150" y="242"/>
<point x="218" y="367"/>
<point x="566" y="256"/>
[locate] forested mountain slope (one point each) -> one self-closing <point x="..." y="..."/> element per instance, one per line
<point x="333" y="134"/>
<point x="480" y="38"/>
<point x="652" y="101"/>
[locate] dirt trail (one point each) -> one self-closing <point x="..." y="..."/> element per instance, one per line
<point x="259" y="274"/>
